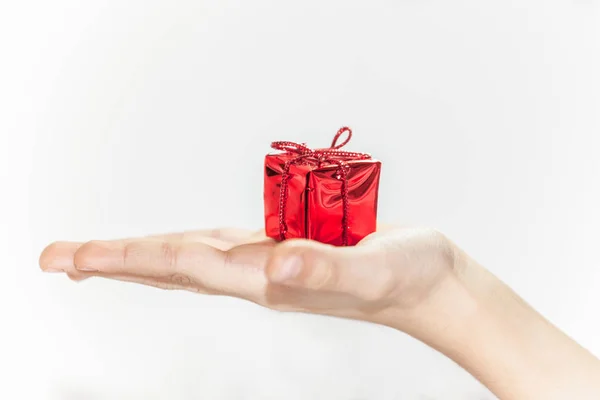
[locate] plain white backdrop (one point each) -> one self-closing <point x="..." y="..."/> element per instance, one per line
<point x="122" y="118"/>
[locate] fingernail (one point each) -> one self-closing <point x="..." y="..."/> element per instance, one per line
<point x="93" y="255"/>
<point x="289" y="269"/>
<point x="86" y="269"/>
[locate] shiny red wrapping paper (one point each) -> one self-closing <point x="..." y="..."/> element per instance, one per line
<point x="324" y="190"/>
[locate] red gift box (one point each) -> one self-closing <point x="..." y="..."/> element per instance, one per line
<point x="328" y="195"/>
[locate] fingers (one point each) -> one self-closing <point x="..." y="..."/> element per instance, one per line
<point x="207" y="261"/>
<point x="58" y="257"/>
<point x="361" y="270"/>
<point x="238" y="271"/>
<point x="153" y="258"/>
<point x="174" y="283"/>
<point x="193" y="266"/>
<point x="201" y="261"/>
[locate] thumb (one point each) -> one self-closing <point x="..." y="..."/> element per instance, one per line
<point x="361" y="271"/>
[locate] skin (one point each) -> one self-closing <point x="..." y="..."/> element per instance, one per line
<point x="413" y="280"/>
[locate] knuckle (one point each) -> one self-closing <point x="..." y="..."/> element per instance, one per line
<point x="434" y="237"/>
<point x="136" y="254"/>
<point x="169" y="255"/>
<point x="420" y="244"/>
<point x="128" y="254"/>
<point x="442" y="248"/>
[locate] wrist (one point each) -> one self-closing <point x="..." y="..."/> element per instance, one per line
<point x="481" y="324"/>
<point x="445" y="304"/>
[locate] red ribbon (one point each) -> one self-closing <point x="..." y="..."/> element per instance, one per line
<point x="333" y="155"/>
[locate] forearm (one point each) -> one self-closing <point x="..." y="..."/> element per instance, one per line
<point x="482" y="325"/>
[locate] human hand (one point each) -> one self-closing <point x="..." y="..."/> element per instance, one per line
<point x="393" y="272"/>
<point x="414" y="280"/>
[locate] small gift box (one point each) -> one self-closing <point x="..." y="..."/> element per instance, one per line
<point x="328" y="195"/>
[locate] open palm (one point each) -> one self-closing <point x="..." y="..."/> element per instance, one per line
<point x="390" y="268"/>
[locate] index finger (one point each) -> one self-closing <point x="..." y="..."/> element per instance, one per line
<point x="58" y="256"/>
<point x="237" y="271"/>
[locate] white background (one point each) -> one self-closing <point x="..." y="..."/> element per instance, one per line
<point x="123" y="118"/>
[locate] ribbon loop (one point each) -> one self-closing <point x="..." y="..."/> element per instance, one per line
<point x="337" y="136"/>
<point x="332" y="155"/>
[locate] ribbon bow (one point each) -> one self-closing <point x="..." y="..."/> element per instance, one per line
<point x="333" y="155"/>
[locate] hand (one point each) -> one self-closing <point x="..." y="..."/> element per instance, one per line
<point x="393" y="269"/>
<point x="413" y="280"/>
